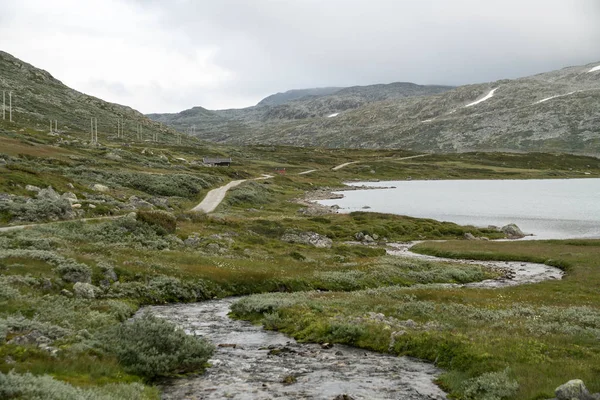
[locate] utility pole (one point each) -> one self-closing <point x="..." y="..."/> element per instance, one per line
<point x="50" y="126"/>
<point x="55" y="125"/>
<point x="4" y="104"/>
<point x="92" y="130"/>
<point x="10" y="105"/>
<point x="96" y="138"/>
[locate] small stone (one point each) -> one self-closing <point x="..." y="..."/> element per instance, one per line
<point x="100" y="188"/>
<point x="85" y="290"/>
<point x="70" y="186"/>
<point x="91" y="206"/>
<point x="326" y="345"/>
<point x="359" y="236"/>
<point x="368" y="239"/>
<point x="77" y="205"/>
<point x="232" y="345"/>
<point x="66" y="293"/>
<point x="32" y="188"/>
<point x="469" y="236"/>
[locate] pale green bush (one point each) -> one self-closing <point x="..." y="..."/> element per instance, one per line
<point x="152" y="347"/>
<point x="3" y="330"/>
<point x="491" y="386"/>
<point x="7" y="292"/>
<point x="44" y="387"/>
<point x="33" y="210"/>
<point x="268" y="302"/>
<point x="250" y="193"/>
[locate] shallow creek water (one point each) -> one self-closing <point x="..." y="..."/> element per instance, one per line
<point x="257" y="365"/>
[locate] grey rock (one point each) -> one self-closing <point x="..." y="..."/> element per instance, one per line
<point x="162" y="202"/>
<point x="368" y="239"/>
<point x="137" y="203"/>
<point x="48" y="194"/>
<point x="573" y="390"/>
<point x="100" y="188"/>
<point x="32" y="188"/>
<point x="85" y="290"/>
<point x="113" y="156"/>
<point x="212" y="248"/>
<point x="66" y="293"/>
<point x="469" y="236"/>
<point x="70" y="196"/>
<point x="512" y="231"/>
<point x="33" y="337"/>
<point x="359" y="236"/>
<point x="310" y="238"/>
<point x="193" y="240"/>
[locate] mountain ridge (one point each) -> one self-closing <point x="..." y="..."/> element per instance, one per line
<point x="550" y="111"/>
<point x="38" y="97"/>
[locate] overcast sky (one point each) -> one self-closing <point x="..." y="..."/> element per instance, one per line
<point x="170" y="55"/>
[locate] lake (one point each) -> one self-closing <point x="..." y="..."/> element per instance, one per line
<point x="548" y="209"/>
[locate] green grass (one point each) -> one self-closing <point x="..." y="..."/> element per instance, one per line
<point x="546" y="334"/>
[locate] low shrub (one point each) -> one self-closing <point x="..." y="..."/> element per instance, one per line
<point x="491" y="386"/>
<point x="152" y="347"/>
<point x="28" y="386"/>
<point x="162" y="219"/>
<point x="34" y="210"/>
<point x="251" y="193"/>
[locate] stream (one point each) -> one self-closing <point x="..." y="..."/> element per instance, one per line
<point x="252" y="363"/>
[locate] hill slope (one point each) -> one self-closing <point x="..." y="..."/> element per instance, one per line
<point x="38" y="98"/>
<point x="554" y="111"/>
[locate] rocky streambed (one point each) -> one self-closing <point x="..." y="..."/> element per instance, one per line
<point x="252" y="363"/>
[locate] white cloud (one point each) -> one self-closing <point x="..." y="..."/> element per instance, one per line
<point x="168" y="55"/>
<point x="85" y="44"/>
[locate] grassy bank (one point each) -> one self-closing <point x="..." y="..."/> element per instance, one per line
<point x="65" y="287"/>
<point x="538" y="336"/>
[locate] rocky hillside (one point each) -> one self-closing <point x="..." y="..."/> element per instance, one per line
<point x="554" y="111"/>
<point x="38" y="98"/>
<point x="281" y="98"/>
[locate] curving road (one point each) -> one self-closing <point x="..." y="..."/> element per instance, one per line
<point x="216" y="196"/>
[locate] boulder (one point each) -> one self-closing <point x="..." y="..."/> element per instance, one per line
<point x="113" y="156"/>
<point x="33" y="337"/>
<point x="574" y="390"/>
<point x="368" y="239"/>
<point x="32" y="188"/>
<point x="212" y="248"/>
<point x="48" y="194"/>
<point x="70" y="196"/>
<point x="359" y="236"/>
<point x="193" y="240"/>
<point x="311" y="238"/>
<point x="100" y="188"/>
<point x="469" y="236"/>
<point x="136" y="203"/>
<point x="85" y="290"/>
<point x="512" y="231"/>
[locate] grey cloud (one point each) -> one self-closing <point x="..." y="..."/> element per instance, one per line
<point x="279" y="45"/>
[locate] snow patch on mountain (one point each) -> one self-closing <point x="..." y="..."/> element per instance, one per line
<point x="487" y="97"/>
<point x="554" y="97"/>
<point x="594" y="69"/>
<point x="333" y="115"/>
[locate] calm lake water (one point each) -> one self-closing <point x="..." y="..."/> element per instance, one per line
<point x="549" y="209"/>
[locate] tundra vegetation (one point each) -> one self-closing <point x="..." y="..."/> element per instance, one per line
<point x="68" y="288"/>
